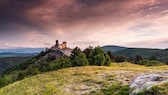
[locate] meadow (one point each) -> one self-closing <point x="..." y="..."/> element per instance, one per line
<point x="85" y="80"/>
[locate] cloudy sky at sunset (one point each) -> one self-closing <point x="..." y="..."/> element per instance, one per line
<point x="38" y="23"/>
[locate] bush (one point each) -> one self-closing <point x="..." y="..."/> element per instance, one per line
<point x="21" y="76"/>
<point x="88" y="51"/>
<point x="63" y="62"/>
<point x="99" y="57"/>
<point x="78" y="58"/>
<point x="112" y="57"/>
<point x="121" y="58"/>
<point x="100" y="60"/>
<point x="4" y="80"/>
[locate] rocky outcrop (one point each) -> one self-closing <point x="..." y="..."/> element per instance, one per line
<point x="146" y="81"/>
<point x="53" y="54"/>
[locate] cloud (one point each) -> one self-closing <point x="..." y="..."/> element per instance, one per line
<point x="43" y="15"/>
<point x="101" y="21"/>
<point x="154" y="43"/>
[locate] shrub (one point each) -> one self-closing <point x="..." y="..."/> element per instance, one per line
<point x="121" y="58"/>
<point x="99" y="57"/>
<point x="99" y="60"/>
<point x="21" y="76"/>
<point x="4" y="80"/>
<point x="78" y="58"/>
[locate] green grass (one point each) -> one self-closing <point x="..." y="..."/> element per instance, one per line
<point x="156" y="90"/>
<point x="115" y="89"/>
<point x="80" y="80"/>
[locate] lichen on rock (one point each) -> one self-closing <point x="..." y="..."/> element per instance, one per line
<point x="147" y="81"/>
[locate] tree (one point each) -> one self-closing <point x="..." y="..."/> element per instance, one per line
<point x="87" y="51"/>
<point x="75" y="52"/>
<point x="121" y="58"/>
<point x="137" y="58"/>
<point x="21" y="76"/>
<point x="100" y="59"/>
<point x="78" y="58"/>
<point x="4" y="80"/>
<point x="153" y="58"/>
<point x="64" y="62"/>
<point x="33" y="71"/>
<point x="110" y="55"/>
<point x="96" y="53"/>
<point x="108" y="61"/>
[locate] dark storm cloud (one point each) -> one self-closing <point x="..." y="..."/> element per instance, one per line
<point x="92" y="3"/>
<point x="16" y="14"/>
<point x="155" y="9"/>
<point x="82" y="22"/>
<point x="41" y="15"/>
<point x="85" y="10"/>
<point x="13" y="13"/>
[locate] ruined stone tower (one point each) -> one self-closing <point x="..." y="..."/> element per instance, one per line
<point x="64" y="45"/>
<point x="61" y="46"/>
<point x="57" y="43"/>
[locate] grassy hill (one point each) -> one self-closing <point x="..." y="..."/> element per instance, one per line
<point x="92" y="80"/>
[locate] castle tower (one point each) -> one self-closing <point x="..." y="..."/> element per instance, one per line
<point x="57" y="43"/>
<point x="64" y="45"/>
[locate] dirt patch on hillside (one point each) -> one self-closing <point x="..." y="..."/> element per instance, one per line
<point x="100" y="80"/>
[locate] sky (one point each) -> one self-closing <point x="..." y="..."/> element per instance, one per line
<point x="38" y="23"/>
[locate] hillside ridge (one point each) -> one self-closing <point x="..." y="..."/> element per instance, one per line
<point x="79" y="80"/>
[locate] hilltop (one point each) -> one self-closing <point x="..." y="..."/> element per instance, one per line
<point x="113" y="48"/>
<point x="92" y="80"/>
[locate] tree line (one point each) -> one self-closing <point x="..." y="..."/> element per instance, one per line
<point x="137" y="59"/>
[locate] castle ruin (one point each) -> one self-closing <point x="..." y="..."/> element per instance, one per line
<point x="61" y="46"/>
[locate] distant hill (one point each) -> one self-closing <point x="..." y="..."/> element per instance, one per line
<point x="20" y="52"/>
<point x="12" y="57"/>
<point x="113" y="48"/>
<point x="8" y="62"/>
<point x="160" y="54"/>
<point x="8" y="54"/>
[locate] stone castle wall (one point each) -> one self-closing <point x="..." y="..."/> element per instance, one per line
<point x="61" y="46"/>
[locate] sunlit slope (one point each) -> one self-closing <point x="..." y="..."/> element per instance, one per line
<point x="78" y="80"/>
